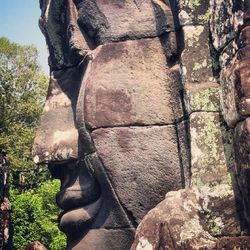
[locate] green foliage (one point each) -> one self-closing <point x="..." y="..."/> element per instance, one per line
<point x="34" y="217"/>
<point x="22" y="94"/>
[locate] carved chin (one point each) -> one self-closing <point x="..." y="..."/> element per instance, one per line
<point x="79" y="219"/>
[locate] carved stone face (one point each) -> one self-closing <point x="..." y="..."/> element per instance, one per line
<point x="113" y="128"/>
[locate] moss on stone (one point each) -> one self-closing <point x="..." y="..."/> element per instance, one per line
<point x="214" y="224"/>
<point x="205" y="17"/>
<point x="204" y="100"/>
<point x="193" y="4"/>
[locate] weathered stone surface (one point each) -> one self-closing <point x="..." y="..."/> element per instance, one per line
<point x="235" y="85"/>
<point x="105" y="239"/>
<point x="180" y="222"/>
<point x="58" y="22"/>
<point x="135" y="155"/>
<point x="131" y="104"/>
<point x="242" y="153"/>
<point x="226" y="20"/>
<point x="202" y="97"/>
<point x="175" y="223"/>
<point x="201" y="92"/>
<point x="212" y="166"/>
<point x="228" y="96"/>
<point x="194" y="12"/>
<point x="112" y="20"/>
<point x="142" y="91"/>
<point x="57" y="137"/>
<point x="36" y="245"/>
<point x="233" y="243"/>
<point x="72" y="28"/>
<point x="196" y="57"/>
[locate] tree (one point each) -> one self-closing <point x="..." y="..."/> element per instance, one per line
<point x="35" y="215"/>
<point x="22" y="93"/>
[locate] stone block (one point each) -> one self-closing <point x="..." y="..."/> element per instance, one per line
<point x="212" y="164"/>
<point x="202" y="97"/>
<point x="201" y="92"/>
<point x="66" y="43"/>
<point x="242" y="155"/>
<point x="226" y="21"/>
<point x="235" y="87"/>
<point x="152" y="157"/>
<point x="104" y="239"/>
<point x="126" y="19"/>
<point x="128" y="83"/>
<point x="178" y="222"/>
<point x="175" y="223"/>
<point x="196" y="58"/>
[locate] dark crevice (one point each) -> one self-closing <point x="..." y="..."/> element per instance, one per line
<point x="114" y="228"/>
<point x="132" y="125"/>
<point x="182" y="171"/>
<point x="140" y="125"/>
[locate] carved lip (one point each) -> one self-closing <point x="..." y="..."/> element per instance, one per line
<point x="79" y="196"/>
<point x="78" y="219"/>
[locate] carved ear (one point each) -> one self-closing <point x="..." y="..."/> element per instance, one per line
<point x="66" y="42"/>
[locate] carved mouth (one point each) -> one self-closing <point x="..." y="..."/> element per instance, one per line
<point x="79" y="196"/>
<point x="78" y="219"/>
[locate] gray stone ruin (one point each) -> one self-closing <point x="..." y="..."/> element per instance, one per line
<point x="146" y="122"/>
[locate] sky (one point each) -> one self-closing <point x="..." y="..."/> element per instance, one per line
<point x="19" y="23"/>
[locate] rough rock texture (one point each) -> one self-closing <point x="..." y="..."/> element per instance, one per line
<point x="226" y="20"/>
<point x="134" y="155"/>
<point x="201" y="217"/>
<point x="235" y="99"/>
<point x="36" y="245"/>
<point x="112" y="20"/>
<point x="177" y="222"/>
<point x="233" y="34"/>
<point x="143" y="91"/>
<point x="200" y="89"/>
<point x="212" y="163"/>
<point x="212" y="158"/>
<point x="242" y="154"/>
<point x="180" y="222"/>
<point x="193" y="12"/>
<point x="71" y="30"/>
<point x="5" y="206"/>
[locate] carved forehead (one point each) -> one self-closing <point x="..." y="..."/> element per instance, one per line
<point x="73" y="27"/>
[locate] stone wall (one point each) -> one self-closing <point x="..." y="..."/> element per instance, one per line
<point x="214" y="70"/>
<point x="235" y="85"/>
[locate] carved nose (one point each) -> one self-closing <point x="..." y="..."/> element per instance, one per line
<point x="56" y="137"/>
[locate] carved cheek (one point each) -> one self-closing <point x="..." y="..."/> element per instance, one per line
<point x="56" y="137"/>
